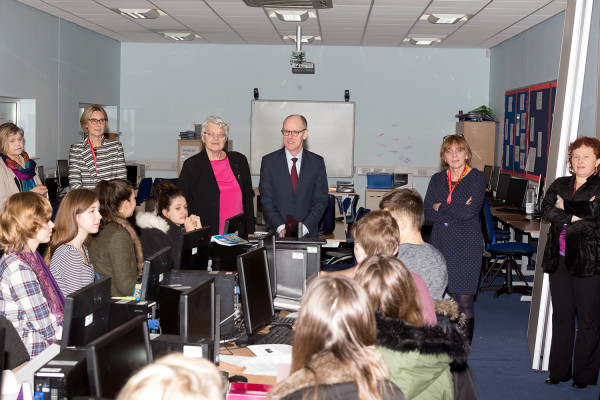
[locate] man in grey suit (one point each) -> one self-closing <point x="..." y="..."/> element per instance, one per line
<point x="293" y="181"/>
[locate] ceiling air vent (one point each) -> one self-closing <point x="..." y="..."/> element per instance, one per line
<point x="290" y="3"/>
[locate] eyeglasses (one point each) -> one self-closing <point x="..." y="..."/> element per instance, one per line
<point x="293" y="133"/>
<point x="457" y="135"/>
<point x="95" y="121"/>
<point x="219" y="135"/>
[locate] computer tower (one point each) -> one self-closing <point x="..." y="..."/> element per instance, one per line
<point x="122" y="311"/>
<point x="63" y="377"/>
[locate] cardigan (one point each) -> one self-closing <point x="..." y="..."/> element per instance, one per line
<point x="8" y="187"/>
<point x="198" y="182"/>
<point x="112" y="252"/>
<point x="110" y="162"/>
<point x="582" y="254"/>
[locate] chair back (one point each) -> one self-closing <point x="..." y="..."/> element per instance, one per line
<point x="143" y="190"/>
<point x="346" y="203"/>
<point x="487" y="224"/>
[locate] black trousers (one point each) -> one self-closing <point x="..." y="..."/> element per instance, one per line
<point x="575" y="297"/>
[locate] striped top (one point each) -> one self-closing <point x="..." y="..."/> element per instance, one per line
<point x="110" y="161"/>
<point x="70" y="271"/>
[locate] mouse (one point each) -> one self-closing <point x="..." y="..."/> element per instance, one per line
<point x="238" y="378"/>
<point x="526" y="220"/>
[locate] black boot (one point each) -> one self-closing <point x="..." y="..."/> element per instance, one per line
<point x="469" y="326"/>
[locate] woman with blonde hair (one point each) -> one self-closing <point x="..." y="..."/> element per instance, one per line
<point x="175" y="377"/>
<point x="116" y="250"/>
<point x="29" y="296"/>
<point x="78" y="216"/>
<point x="417" y="354"/>
<point x="333" y="351"/>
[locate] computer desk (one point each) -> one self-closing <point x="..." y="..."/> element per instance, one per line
<point x="231" y="349"/>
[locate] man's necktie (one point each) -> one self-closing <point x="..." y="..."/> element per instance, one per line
<point x="294" y="174"/>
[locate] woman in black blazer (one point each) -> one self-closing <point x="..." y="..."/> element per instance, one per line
<point x="217" y="182"/>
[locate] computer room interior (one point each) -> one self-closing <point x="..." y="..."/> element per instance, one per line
<point x="406" y="97"/>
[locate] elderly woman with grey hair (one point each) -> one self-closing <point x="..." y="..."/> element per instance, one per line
<point x="216" y="181"/>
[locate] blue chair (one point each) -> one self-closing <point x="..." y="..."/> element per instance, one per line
<point x="506" y="252"/>
<point x="346" y="204"/>
<point x="143" y="190"/>
<point x="353" y="205"/>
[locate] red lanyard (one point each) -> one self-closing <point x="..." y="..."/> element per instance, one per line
<point x="93" y="153"/>
<point x="451" y="187"/>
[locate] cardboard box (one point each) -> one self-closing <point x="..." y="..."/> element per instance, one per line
<point x="247" y="391"/>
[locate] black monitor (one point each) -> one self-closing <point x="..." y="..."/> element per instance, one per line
<point x="268" y="241"/>
<point x="189" y="311"/>
<point x="487" y="170"/>
<point x="39" y="171"/>
<point x="115" y="356"/>
<point x="62" y="173"/>
<point x="502" y="190"/>
<point x="516" y="192"/>
<point x="157" y="270"/>
<point x="237" y="225"/>
<point x="86" y="314"/>
<point x="193" y="251"/>
<point x="540" y="193"/>
<point x="494" y="180"/>
<point x="255" y="289"/>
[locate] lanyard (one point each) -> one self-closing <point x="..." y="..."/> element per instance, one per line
<point x="451" y="187"/>
<point x="93" y="153"/>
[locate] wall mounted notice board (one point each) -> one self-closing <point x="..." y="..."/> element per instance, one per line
<point x="330" y="131"/>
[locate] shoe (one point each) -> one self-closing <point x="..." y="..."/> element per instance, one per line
<point x="550" y="381"/>
<point x="579" y="385"/>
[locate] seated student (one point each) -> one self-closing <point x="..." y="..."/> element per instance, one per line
<point x="163" y="228"/>
<point x="29" y="296"/>
<point x="116" y="250"/>
<point x="406" y="206"/>
<point x="377" y="234"/>
<point x="175" y="377"/>
<point x="78" y="216"/>
<point x="333" y="350"/>
<point x="417" y="355"/>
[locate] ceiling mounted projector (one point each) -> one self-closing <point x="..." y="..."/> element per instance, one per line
<point x="299" y="64"/>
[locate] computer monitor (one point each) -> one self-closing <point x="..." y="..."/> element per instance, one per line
<point x="268" y="241"/>
<point x="502" y="190"/>
<point x="39" y="171"/>
<point x="255" y="289"/>
<point x="62" y="173"/>
<point x="135" y="173"/>
<point x="115" y="356"/>
<point x="540" y="193"/>
<point x="494" y="180"/>
<point x="157" y="269"/>
<point x="189" y="311"/>
<point x="516" y="192"/>
<point x="86" y="314"/>
<point x="237" y="225"/>
<point x="487" y="170"/>
<point x="193" y="250"/>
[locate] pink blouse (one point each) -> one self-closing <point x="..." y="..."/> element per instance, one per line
<point x="426" y="301"/>
<point x="231" y="194"/>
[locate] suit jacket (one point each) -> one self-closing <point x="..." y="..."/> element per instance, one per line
<point x="278" y="199"/>
<point x="198" y="181"/>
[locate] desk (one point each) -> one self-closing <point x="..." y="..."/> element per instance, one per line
<point x="231" y="349"/>
<point x="338" y="235"/>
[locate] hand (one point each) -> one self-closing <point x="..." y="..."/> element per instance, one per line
<point x="282" y="233"/>
<point x="469" y="201"/>
<point x="560" y="203"/>
<point x="593" y="198"/>
<point x="192" y="223"/>
<point x="436" y="206"/>
<point x="575" y="218"/>
<point x="40" y="189"/>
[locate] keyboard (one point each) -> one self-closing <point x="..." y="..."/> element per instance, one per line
<point x="300" y="240"/>
<point x="512" y="210"/>
<point x="277" y="335"/>
<point x="283" y="321"/>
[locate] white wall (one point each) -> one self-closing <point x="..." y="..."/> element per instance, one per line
<point x="59" y="64"/>
<point x="406" y="98"/>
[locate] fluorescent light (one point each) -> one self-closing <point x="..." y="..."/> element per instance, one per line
<point x="422" y="41"/>
<point x="180" y="36"/>
<point x="445" y="18"/>
<point x="305" y="39"/>
<point x="291" y="15"/>
<point x="139" y="13"/>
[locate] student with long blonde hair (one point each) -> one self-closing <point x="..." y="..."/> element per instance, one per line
<point x="333" y="351"/>
<point x="78" y="216"/>
<point x="417" y="354"/>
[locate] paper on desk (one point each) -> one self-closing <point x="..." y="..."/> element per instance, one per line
<point x="266" y="365"/>
<point x="270" y="349"/>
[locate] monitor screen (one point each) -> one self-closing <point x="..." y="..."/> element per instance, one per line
<point x="540" y="193"/>
<point x="86" y="314"/>
<point x="157" y="269"/>
<point x="516" y="192"/>
<point x="502" y="190"/>
<point x="62" y="173"/>
<point x="268" y="241"/>
<point x="197" y="311"/>
<point x="115" y="356"/>
<point x="487" y="170"/>
<point x="255" y="289"/>
<point x="237" y="225"/>
<point x="494" y="180"/>
<point x="194" y="250"/>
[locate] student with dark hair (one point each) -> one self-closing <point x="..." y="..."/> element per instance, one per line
<point x="116" y="250"/>
<point x="164" y="227"/>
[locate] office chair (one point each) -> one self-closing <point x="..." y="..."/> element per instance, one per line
<point x="506" y="252"/>
<point x="143" y="190"/>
